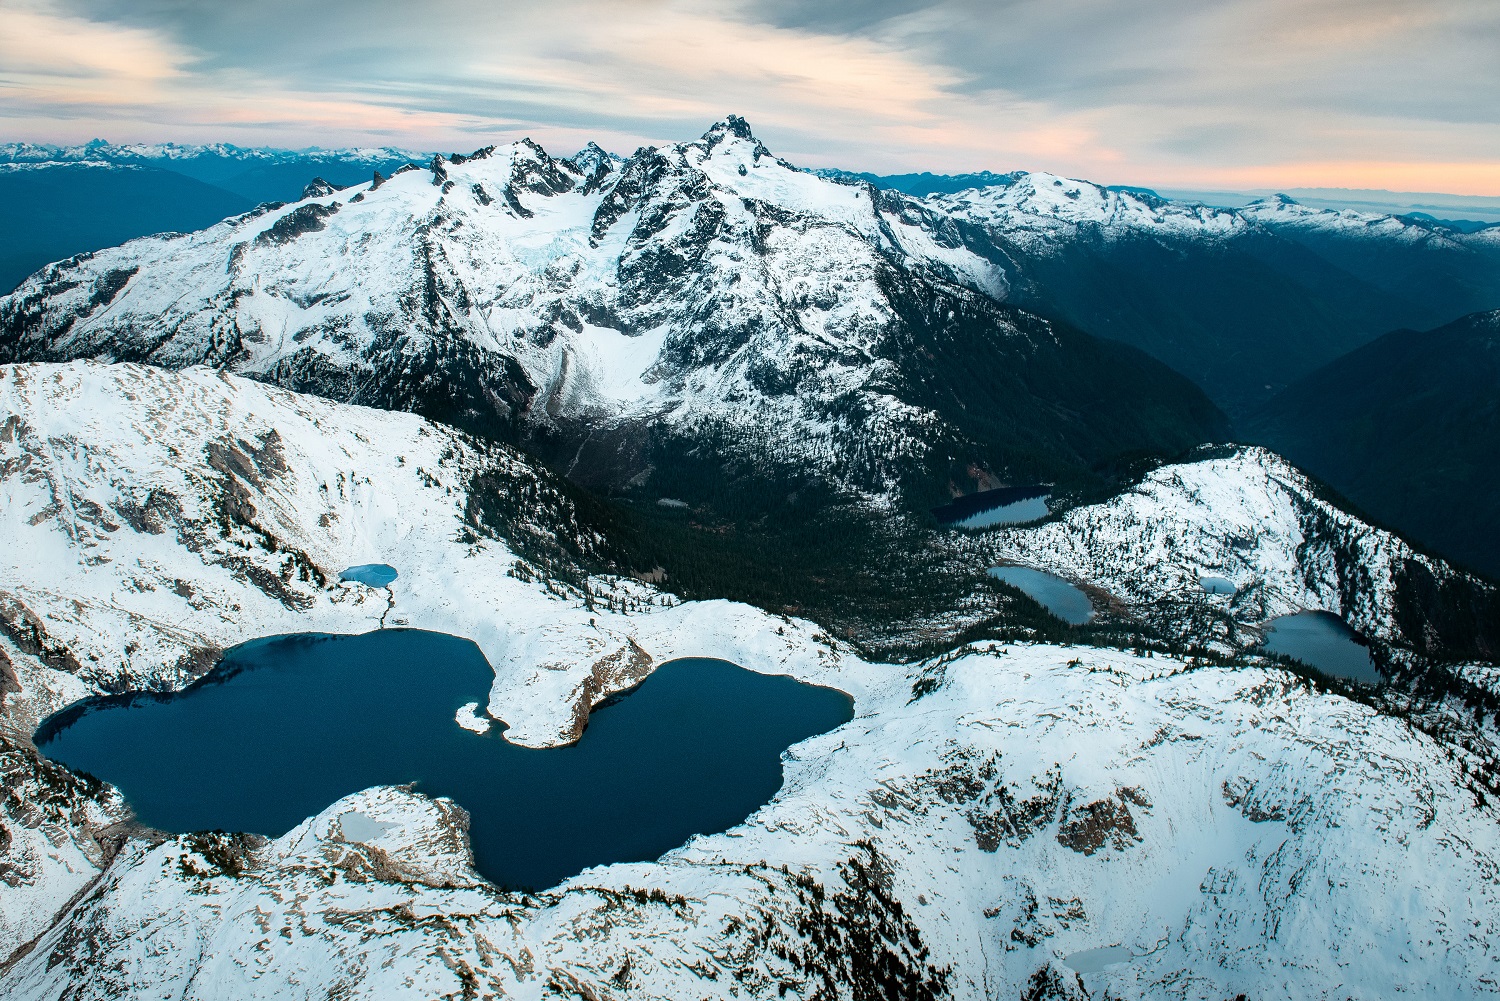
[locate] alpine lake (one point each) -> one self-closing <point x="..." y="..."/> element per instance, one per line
<point x="1324" y="641"/>
<point x="285" y="726"/>
<point x="1318" y="639"/>
<point x="1056" y="595"/>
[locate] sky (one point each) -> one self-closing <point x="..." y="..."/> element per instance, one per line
<point x="1225" y="94"/>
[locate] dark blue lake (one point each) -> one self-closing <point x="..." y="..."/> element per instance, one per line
<point x="1018" y="513"/>
<point x="287" y="725"/>
<point x="1323" y="640"/>
<point x="989" y="508"/>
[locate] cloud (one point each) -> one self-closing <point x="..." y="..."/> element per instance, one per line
<point x="1169" y="92"/>
<point x="72" y="60"/>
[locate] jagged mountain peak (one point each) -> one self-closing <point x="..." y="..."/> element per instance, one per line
<point x="317" y="188"/>
<point x="592" y="157"/>
<point x="698" y="284"/>
<point x="731" y="125"/>
<point x="733" y="138"/>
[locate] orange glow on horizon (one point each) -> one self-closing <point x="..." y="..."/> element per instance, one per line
<point x="1470" y="179"/>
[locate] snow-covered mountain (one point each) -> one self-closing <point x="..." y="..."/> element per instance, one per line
<point x="1238" y="299"/>
<point x="626" y="318"/>
<point x="1248" y="516"/>
<point x="58" y="201"/>
<point x="985" y="817"/>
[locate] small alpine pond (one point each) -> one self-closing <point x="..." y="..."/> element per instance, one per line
<point x="1217" y="585"/>
<point x="988" y="508"/>
<point x="287" y="725"/>
<point x="371" y="574"/>
<point x="1096" y="960"/>
<point x="1324" y="641"/>
<point x="1052" y="592"/>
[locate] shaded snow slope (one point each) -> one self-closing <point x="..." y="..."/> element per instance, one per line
<point x="984" y="816"/>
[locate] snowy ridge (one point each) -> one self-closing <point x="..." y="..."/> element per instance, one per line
<point x="1286" y="214"/>
<point x="25" y="166"/>
<point x="154" y="518"/>
<point x="1038" y="210"/>
<point x="1249" y="517"/>
<point x="1231" y="828"/>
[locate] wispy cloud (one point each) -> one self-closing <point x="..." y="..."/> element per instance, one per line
<point x="1170" y="92"/>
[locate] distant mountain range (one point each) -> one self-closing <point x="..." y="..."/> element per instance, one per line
<point x="256" y="174"/>
<point x="1408" y="427"/>
<point x="57" y="201"/>
<point x="1465" y="212"/>
<point x="1242" y="301"/>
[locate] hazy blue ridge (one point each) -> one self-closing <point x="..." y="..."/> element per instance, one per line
<point x="54" y="211"/>
<point x="1408" y="427"/>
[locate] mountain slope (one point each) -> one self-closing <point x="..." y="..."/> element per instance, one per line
<point x="986" y="815"/>
<point x="1250" y="517"/>
<point x="1234" y="831"/>
<point x="1243" y="301"/>
<point x="1407" y="427"/>
<point x="627" y="320"/>
<point x="1442" y="270"/>
<point x="49" y="211"/>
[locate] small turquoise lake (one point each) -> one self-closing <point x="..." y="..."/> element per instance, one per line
<point x="370" y="574"/>
<point x="1050" y="591"/>
<point x="287" y="725"/>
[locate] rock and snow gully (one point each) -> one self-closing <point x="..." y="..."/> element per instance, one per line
<point x="983" y="817"/>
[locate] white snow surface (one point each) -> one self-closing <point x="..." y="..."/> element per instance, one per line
<point x="1038" y="210"/>
<point x="1249" y="517"/>
<point x="605" y="282"/>
<point x="1233" y="829"/>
